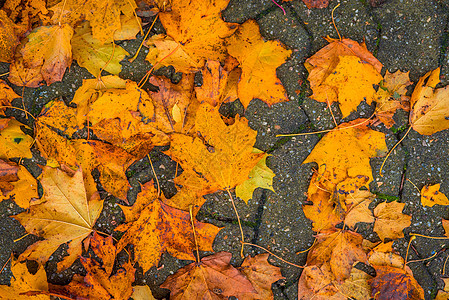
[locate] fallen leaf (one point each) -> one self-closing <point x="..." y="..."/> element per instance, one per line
<point x="105" y="250"/>
<point x="390" y="221"/>
<point x="384" y="255"/>
<point x="258" y="60"/>
<point x="195" y="32"/>
<point x="7" y="94"/>
<point x="63" y="215"/>
<point x="14" y="142"/>
<point x="17" y="182"/>
<point x="443" y="294"/>
<point x="48" y="50"/>
<point x="357" y="286"/>
<point x="95" y="56"/>
<point x="8" y="38"/>
<point x="212" y="278"/>
<point x="142" y="293"/>
<point x="315" y="3"/>
<point x="20" y="75"/>
<point x="343" y="71"/>
<point x="391" y="96"/>
<point x="154" y="227"/>
<point x="23" y="281"/>
<point x="25" y="13"/>
<point x="429" y="106"/>
<point x="339" y="249"/>
<point x="259" y="177"/>
<point x="219" y="85"/>
<point x="57" y="115"/>
<point x="98" y="284"/>
<point x="346" y="151"/>
<point x="395" y="283"/>
<point x="359" y="211"/>
<point x="318" y="282"/>
<point x="261" y="275"/>
<point x="431" y="195"/>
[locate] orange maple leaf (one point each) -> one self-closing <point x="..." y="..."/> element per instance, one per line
<point x="258" y="60"/>
<point x="7" y="94"/>
<point x="390" y="221"/>
<point x="154" y="227"/>
<point x="195" y="33"/>
<point x="8" y="38"/>
<point x="213" y="278"/>
<point x="14" y="142"/>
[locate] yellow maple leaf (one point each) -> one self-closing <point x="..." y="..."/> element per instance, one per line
<point x="346" y="152"/>
<point x="17" y="182"/>
<point x="220" y="154"/>
<point x="63" y="215"/>
<point x="154" y="227"/>
<point x="93" y="55"/>
<point x="23" y="281"/>
<point x="258" y="60"/>
<point x="195" y="32"/>
<point x="14" y="142"/>
<point x="429" y="106"/>
<point x="47" y="51"/>
<point x="7" y="94"/>
<point x="431" y="195"/>
<point x="390" y="221"/>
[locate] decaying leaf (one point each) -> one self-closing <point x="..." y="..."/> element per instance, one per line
<point x="359" y="211"/>
<point x="93" y="55"/>
<point x="8" y="38"/>
<point x="260" y="176"/>
<point x="431" y="195"/>
<point x="17" y="182"/>
<point x="391" y="96"/>
<point x="340" y="250"/>
<point x="395" y="283"/>
<point x="343" y="71"/>
<point x="195" y="33"/>
<point x="212" y="278"/>
<point x="14" y="142"/>
<point x="390" y="221"/>
<point x="261" y="275"/>
<point x="154" y="227"/>
<point x="258" y="60"/>
<point x="64" y="214"/>
<point x="23" y="281"/>
<point x="6" y="94"/>
<point x="429" y="106"/>
<point x="221" y="155"/>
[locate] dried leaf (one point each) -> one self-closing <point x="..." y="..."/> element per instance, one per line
<point x="154" y="227"/>
<point x="261" y="275"/>
<point x="443" y="294"/>
<point x="343" y="71"/>
<point x="93" y="55"/>
<point x="23" y="281"/>
<point x="14" y="142"/>
<point x="390" y="221"/>
<point x="395" y="283"/>
<point x="64" y="214"/>
<point x="429" y="106"/>
<point x="6" y="93"/>
<point x="359" y="210"/>
<point x="142" y="293"/>
<point x="213" y="278"/>
<point x="391" y="96"/>
<point x="258" y="60"/>
<point x="340" y="249"/>
<point x="317" y="282"/>
<point x="195" y="32"/>
<point x="431" y="195"/>
<point x="8" y="38"/>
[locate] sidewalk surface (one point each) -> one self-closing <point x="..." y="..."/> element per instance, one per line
<point x="409" y="35"/>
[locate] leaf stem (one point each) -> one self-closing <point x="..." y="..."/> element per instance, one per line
<point x="155" y="176"/>
<point x="240" y="224"/>
<point x="271" y="253"/>
<point x="141" y="44"/>
<point x="194" y="234"/>
<point x="389" y="152"/>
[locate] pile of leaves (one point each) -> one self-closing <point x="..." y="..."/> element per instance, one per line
<point x="112" y="123"/>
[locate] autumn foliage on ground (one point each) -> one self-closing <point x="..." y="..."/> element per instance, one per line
<point x="111" y="123"/>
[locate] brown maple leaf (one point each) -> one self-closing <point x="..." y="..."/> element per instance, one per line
<point x="154" y="227"/>
<point x="212" y="278"/>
